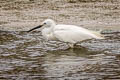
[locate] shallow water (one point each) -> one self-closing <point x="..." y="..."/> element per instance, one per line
<point x="27" y="56"/>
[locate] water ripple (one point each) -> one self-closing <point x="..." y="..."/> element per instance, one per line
<point x="26" y="56"/>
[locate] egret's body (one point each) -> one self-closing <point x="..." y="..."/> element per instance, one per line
<point x="66" y="33"/>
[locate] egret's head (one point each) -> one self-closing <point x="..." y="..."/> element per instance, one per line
<point x="46" y="23"/>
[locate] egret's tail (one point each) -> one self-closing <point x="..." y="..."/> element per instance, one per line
<point x="98" y="34"/>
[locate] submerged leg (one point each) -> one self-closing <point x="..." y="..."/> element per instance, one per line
<point x="71" y="45"/>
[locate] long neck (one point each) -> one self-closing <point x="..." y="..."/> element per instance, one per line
<point x="51" y="27"/>
<point x="48" y="29"/>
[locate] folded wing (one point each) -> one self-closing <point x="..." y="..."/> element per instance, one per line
<point x="73" y="34"/>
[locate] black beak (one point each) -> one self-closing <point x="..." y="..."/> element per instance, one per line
<point x="35" y="28"/>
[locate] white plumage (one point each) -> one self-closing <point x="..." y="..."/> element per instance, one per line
<point x="66" y="33"/>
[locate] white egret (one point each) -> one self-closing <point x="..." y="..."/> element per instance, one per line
<point x="70" y="34"/>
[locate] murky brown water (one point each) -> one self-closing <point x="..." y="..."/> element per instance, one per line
<point x="27" y="56"/>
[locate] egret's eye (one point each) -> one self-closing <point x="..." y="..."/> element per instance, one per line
<point x="44" y="23"/>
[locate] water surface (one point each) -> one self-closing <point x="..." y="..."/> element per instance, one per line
<point x="27" y="56"/>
